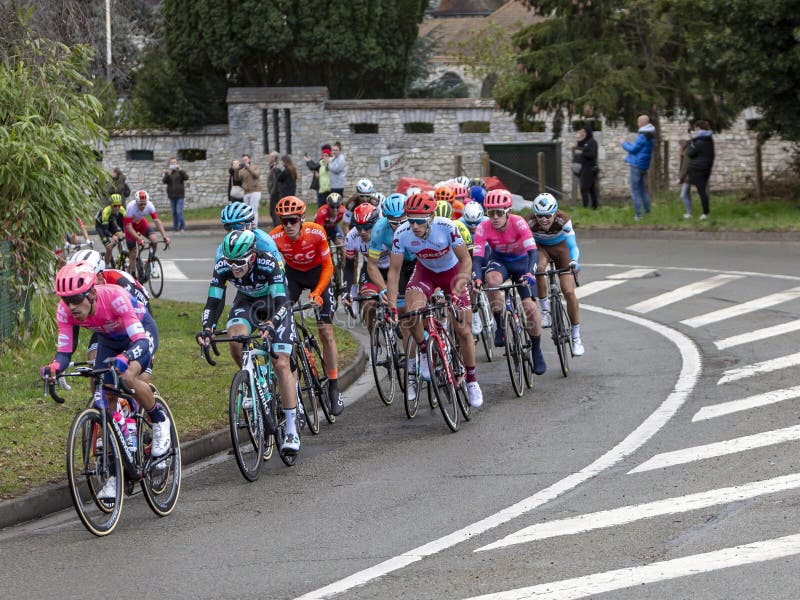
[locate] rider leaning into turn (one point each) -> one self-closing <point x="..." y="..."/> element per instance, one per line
<point x="261" y="301"/>
<point x="553" y="232"/>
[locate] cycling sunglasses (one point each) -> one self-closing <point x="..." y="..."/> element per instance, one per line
<point x="235" y="226"/>
<point x="396" y="223"/>
<point x="421" y="221"/>
<point x="75" y="299"/>
<point x="239" y="263"/>
<point x="497" y="212"/>
<point x="364" y="227"/>
<point x="290" y="220"/>
<point x="545" y="217"/>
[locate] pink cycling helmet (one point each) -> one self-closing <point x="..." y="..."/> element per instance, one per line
<point x="75" y="278"/>
<point x="497" y="199"/>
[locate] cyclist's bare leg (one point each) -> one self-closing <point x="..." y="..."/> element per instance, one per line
<point x="568" y="289"/>
<point x="368" y="312"/>
<point x="286" y="380"/>
<point x="463" y="327"/>
<point x="132" y="378"/>
<point x="153" y="242"/>
<point x="533" y="319"/>
<point x="541" y="280"/>
<point x="415" y="300"/>
<point x="330" y="353"/>
<point x="236" y="349"/>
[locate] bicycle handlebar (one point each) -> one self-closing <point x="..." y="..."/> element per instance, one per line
<point x="83" y="370"/>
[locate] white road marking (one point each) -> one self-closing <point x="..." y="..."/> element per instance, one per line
<point x="171" y="271"/>
<point x="758" y="334"/>
<point x="740" y="444"/>
<point x="682" y="293"/>
<point x="765" y="366"/>
<point x="725" y="408"/>
<point x="629" y="514"/>
<point x="743" y="308"/>
<point x="587" y="289"/>
<point x="696" y="270"/>
<point x="690" y="371"/>
<point x="632" y="274"/>
<point x="598" y="583"/>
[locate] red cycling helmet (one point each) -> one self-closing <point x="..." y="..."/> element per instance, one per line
<point x="365" y="214"/>
<point x="75" y="278"/>
<point x="497" y="199"/>
<point x="420" y="204"/>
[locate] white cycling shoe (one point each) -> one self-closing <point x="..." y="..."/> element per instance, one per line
<point x="109" y="491"/>
<point x="477" y="326"/>
<point x="547" y="320"/>
<point x="577" y="347"/>
<point x="161" y="438"/>
<point x="424" y="368"/>
<point x="475" y="394"/>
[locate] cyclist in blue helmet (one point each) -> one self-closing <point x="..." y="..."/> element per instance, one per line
<point x="477" y="193"/>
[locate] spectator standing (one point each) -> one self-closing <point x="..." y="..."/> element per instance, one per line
<point x="174" y="177"/>
<point x="251" y="184"/>
<point x="639" y="154"/>
<point x="287" y="177"/>
<point x="118" y="185"/>
<point x="587" y="157"/>
<point x="337" y="168"/>
<point x="272" y="185"/>
<point x="700" y="152"/>
<point x="320" y="177"/>
<point x="235" y="191"/>
<point x="683" y="176"/>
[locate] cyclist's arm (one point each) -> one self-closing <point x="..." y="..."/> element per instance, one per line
<point x="320" y="217"/>
<point x="373" y="272"/>
<point x="67" y="338"/>
<point x="160" y="227"/>
<point x="393" y="277"/>
<point x="326" y="273"/>
<point x="349" y="271"/>
<point x="572" y="242"/>
<point x="216" y="298"/>
<point x="281" y="301"/>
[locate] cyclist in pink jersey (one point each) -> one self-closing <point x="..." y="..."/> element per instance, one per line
<point x="514" y="257"/>
<point x="442" y="262"/>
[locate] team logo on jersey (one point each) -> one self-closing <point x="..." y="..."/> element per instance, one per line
<point x="432" y="254"/>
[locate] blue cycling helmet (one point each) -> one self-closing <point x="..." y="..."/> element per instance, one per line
<point x="477" y="193"/>
<point x="393" y="205"/>
<point x="237" y="212"/>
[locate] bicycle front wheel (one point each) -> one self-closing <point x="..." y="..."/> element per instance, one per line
<point x="459" y="375"/>
<point x="409" y="376"/>
<point x="246" y="426"/>
<point x="514" y="356"/>
<point x="322" y="381"/>
<point x="443" y="388"/>
<point x="161" y="481"/>
<point x="307" y="390"/>
<point x="155" y="276"/>
<point x="561" y="334"/>
<point x="91" y="463"/>
<point x="487" y="326"/>
<point x="382" y="357"/>
<point x="527" y="357"/>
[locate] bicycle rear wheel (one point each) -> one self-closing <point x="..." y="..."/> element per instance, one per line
<point x="382" y="358"/>
<point x="514" y="356"/>
<point x="161" y="481"/>
<point x="443" y="389"/>
<point x="246" y="426"/>
<point x="322" y="382"/>
<point x="307" y="388"/>
<point x="487" y="326"/>
<point x="459" y="374"/>
<point x="89" y="467"/>
<point x="409" y="375"/>
<point x="155" y="276"/>
<point x="561" y="334"/>
<point x="527" y="357"/>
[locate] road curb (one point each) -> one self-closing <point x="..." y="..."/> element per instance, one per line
<point x="55" y="497"/>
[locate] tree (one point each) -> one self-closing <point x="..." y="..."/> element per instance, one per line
<point x="358" y="49"/>
<point x="49" y="142"/>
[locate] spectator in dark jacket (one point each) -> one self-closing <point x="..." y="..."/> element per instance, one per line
<point x="683" y="176"/>
<point x="174" y="177"/>
<point x="587" y="155"/>
<point x="273" y="169"/>
<point x="234" y="181"/>
<point x="700" y="151"/>
<point x="287" y="178"/>
<point x="118" y="185"/>
<point x="639" y="154"/>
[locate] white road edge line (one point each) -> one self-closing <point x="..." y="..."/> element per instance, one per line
<point x="740" y="444"/>
<point x="598" y="583"/>
<point x="690" y="371"/>
<point x="725" y="408"/>
<point x="758" y="334"/>
<point x="765" y="366"/>
<point x="629" y="514"/>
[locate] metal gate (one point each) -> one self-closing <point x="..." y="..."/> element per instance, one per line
<point x="517" y="166"/>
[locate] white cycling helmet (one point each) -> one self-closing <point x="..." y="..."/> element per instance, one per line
<point x="365" y="187"/>
<point x="93" y="257"/>
<point x="141" y="196"/>
<point x="463" y="180"/>
<point x="411" y="190"/>
<point x="473" y="213"/>
<point x="545" y="204"/>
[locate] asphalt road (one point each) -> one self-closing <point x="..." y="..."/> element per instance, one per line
<point x="663" y="467"/>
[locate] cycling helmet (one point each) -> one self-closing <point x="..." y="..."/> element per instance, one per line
<point x="459" y="190"/>
<point x="497" y="199"/>
<point x="544" y="204"/>
<point x="444" y="193"/>
<point x="116" y="200"/>
<point x="91" y="257"/>
<point x="462" y="180"/>
<point x="290" y="206"/>
<point x="238" y="244"/>
<point x="473" y="213"/>
<point x="444" y="209"/>
<point x="75" y="278"/>
<point x="141" y="196"/>
<point x="420" y="204"/>
<point x="365" y="214"/>
<point x="379" y="197"/>
<point x="477" y="193"/>
<point x="411" y="190"/>
<point x="393" y="205"/>
<point x="364" y="186"/>
<point x="477" y="181"/>
<point x="458" y="209"/>
<point x="334" y="200"/>
<point x="237" y="212"/>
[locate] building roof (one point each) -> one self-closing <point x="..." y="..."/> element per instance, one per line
<point x="463" y="8"/>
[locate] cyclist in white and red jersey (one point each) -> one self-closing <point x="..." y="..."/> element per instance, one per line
<point x="514" y="257"/>
<point x="136" y="226"/>
<point x="442" y="262"/>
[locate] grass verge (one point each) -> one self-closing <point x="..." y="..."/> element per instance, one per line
<point x="33" y="429"/>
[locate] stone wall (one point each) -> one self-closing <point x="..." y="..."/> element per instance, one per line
<point x="302" y="119"/>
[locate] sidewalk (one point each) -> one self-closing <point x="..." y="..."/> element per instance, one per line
<point x="55" y="497"/>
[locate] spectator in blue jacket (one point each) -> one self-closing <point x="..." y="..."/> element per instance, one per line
<point x="639" y="154"/>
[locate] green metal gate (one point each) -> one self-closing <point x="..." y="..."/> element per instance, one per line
<point x="517" y="166"/>
<point x="10" y="303"/>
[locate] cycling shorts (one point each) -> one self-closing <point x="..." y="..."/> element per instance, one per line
<point x="513" y="271"/>
<point x="141" y="227"/>
<point x="426" y="281"/>
<point x="558" y="252"/>
<point x="108" y="348"/>
<point x="297" y="281"/>
<point x="250" y="311"/>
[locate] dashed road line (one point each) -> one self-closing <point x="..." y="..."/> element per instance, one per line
<point x="743" y="308"/>
<point x="765" y="366"/>
<point x="682" y="293"/>
<point x="757" y="335"/>
<point x="725" y="408"/>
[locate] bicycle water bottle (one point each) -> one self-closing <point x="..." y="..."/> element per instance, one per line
<point x="120" y="421"/>
<point x="132" y="439"/>
<point x="261" y="369"/>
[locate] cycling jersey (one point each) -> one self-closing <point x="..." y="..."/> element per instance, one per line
<point x="106" y="219"/>
<point x="514" y="244"/>
<point x="353" y="247"/>
<point x="308" y="251"/>
<point x="129" y="284"/>
<point x="560" y="230"/>
<point x="264" y="243"/>
<point x="327" y="218"/>
<point x="136" y="218"/>
<point x="381" y="240"/>
<point x="435" y="252"/>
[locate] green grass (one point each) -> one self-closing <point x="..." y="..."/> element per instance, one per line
<point x="729" y="212"/>
<point x="33" y="429"/>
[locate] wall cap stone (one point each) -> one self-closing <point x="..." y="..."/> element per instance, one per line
<point x="250" y="95"/>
